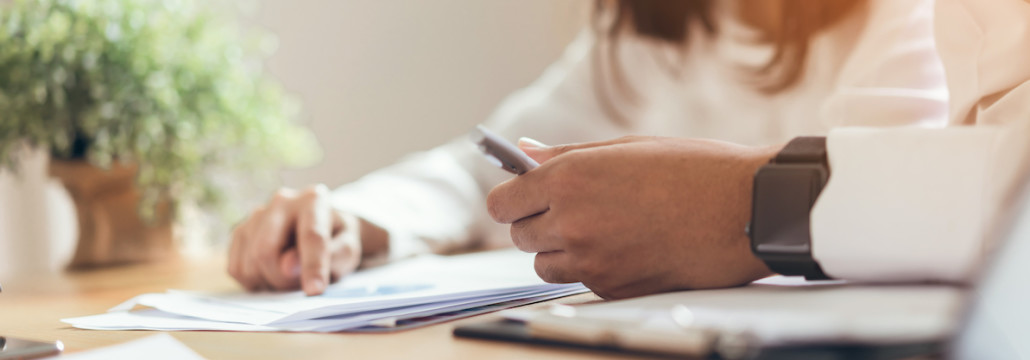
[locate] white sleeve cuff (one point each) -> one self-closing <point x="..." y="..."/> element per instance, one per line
<point x="905" y="204"/>
<point x="402" y="243"/>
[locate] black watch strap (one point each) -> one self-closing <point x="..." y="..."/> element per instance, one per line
<point x="793" y="266"/>
<point x="804" y="150"/>
<point x="800" y="154"/>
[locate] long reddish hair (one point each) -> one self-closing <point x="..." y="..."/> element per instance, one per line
<point x="787" y="25"/>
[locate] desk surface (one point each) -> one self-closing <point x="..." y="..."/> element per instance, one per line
<point x="30" y="307"/>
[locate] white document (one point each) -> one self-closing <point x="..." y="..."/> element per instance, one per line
<point x="152" y="319"/>
<point x="156" y="347"/>
<point x="418" y="287"/>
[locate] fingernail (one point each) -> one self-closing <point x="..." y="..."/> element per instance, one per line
<point x="314" y="286"/>
<point x="525" y="142"/>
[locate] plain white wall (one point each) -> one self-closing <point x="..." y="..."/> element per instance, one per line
<point x="377" y="79"/>
<point x="380" y="79"/>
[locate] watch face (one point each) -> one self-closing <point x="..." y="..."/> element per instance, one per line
<point x="783" y="199"/>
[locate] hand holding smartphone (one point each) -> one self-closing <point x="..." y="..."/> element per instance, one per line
<point x="501" y="152"/>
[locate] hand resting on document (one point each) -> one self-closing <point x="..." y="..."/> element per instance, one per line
<point x="298" y="241"/>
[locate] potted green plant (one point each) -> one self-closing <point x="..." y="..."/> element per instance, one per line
<point x="144" y="106"/>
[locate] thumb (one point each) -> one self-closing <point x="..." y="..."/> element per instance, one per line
<point x="289" y="264"/>
<point x="536" y="149"/>
<point x="541" y="152"/>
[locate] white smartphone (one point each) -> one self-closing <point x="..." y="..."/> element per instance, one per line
<point x="502" y="153"/>
<point x="12" y="348"/>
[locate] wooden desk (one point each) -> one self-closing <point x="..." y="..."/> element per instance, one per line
<point x="30" y="307"/>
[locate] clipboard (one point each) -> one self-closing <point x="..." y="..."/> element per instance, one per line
<point x="784" y="319"/>
<point x="517" y="331"/>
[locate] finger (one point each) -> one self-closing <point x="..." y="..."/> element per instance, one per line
<point x="270" y="239"/>
<point x="541" y="152"/>
<point x="518" y="197"/>
<point x="250" y="275"/>
<point x="289" y="264"/>
<point x="314" y="223"/>
<point x="554" y="267"/>
<point x="535" y="234"/>
<point x="235" y="253"/>
<point x="240" y="266"/>
<point x="345" y="254"/>
<point x="236" y="246"/>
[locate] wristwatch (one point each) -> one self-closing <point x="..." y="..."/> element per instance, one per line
<point x="785" y="190"/>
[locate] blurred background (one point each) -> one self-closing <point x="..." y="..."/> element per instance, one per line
<point x="376" y="79"/>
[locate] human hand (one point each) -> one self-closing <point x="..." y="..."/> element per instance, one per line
<point x="295" y="241"/>
<point x="636" y="215"/>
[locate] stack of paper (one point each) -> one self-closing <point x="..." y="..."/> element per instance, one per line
<point x="401" y="293"/>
